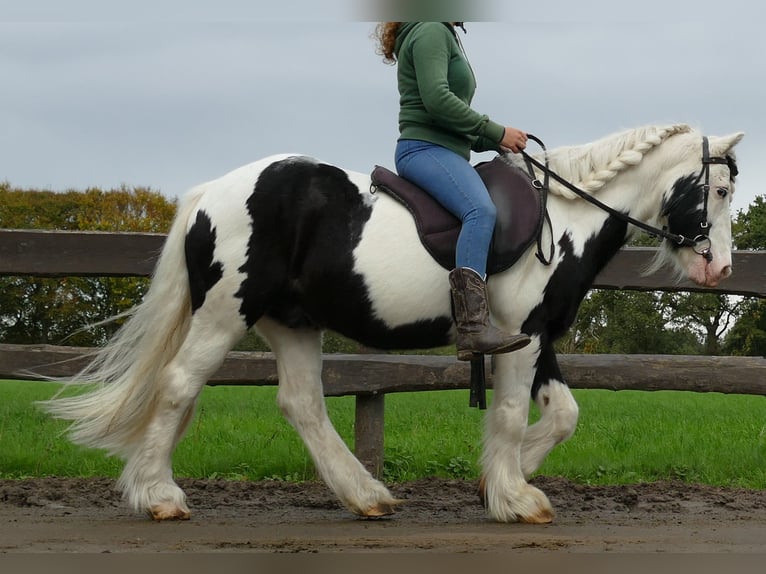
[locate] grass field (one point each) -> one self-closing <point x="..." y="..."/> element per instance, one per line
<point x="238" y="433"/>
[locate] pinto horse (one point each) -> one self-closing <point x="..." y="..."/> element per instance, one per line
<point x="290" y="246"/>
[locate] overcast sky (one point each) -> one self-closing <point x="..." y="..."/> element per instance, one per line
<point x="167" y="94"/>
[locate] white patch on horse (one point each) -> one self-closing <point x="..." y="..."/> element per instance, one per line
<point x="404" y="282"/>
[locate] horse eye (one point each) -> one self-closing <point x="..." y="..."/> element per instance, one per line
<point x="722" y="191"/>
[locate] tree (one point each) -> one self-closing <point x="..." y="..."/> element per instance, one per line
<point x="749" y="227"/>
<point x="37" y="310"/>
<point x="707" y="314"/>
<point x="627" y="322"/>
<point x="748" y="335"/>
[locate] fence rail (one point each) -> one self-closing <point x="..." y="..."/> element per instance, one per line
<point x="371" y="377"/>
<point x="95" y="253"/>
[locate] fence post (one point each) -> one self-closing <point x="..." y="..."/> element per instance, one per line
<point x="368" y="431"/>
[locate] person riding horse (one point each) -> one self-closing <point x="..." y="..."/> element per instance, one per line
<point x="438" y="130"/>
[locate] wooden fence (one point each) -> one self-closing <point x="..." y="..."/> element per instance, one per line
<point x="371" y="377"/>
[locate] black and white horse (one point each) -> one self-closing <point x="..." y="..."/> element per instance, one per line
<point x="290" y="246"/>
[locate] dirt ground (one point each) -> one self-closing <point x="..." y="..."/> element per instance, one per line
<point x="87" y="516"/>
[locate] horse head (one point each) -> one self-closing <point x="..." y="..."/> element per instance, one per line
<point x="697" y="205"/>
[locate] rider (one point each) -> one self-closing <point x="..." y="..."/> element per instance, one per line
<point x="438" y="129"/>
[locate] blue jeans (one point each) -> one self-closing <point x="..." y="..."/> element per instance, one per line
<point x="454" y="183"/>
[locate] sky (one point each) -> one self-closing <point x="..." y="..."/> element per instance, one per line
<point x="168" y="94"/>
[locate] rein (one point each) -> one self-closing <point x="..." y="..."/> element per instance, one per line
<point x="682" y="241"/>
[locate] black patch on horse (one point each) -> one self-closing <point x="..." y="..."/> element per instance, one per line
<point x="307" y="218"/>
<point x="566" y="289"/>
<point x="684" y="208"/>
<point x="203" y="271"/>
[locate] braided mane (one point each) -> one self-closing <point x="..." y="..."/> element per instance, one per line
<point x="591" y="166"/>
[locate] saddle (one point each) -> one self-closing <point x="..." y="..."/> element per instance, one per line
<point x="518" y="197"/>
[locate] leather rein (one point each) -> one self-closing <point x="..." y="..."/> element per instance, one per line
<point x="700" y="243"/>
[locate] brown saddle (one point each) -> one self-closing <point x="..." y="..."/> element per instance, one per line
<point x="520" y="204"/>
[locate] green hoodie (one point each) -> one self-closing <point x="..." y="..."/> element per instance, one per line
<point x="436" y="86"/>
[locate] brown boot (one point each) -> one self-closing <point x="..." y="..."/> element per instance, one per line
<point x="475" y="334"/>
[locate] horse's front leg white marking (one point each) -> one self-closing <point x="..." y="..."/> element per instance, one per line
<point x="558" y="420"/>
<point x="300" y="397"/>
<point x="507" y="495"/>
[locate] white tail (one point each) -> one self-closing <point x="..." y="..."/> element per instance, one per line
<point x="127" y="371"/>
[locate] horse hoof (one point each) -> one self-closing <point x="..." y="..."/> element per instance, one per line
<point x="382" y="509"/>
<point x="544" y="516"/>
<point x="169" y="512"/>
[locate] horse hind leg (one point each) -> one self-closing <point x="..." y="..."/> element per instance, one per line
<point x="147" y="479"/>
<point x="558" y="420"/>
<point x="299" y="363"/>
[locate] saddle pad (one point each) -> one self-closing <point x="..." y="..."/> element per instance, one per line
<point x="519" y="214"/>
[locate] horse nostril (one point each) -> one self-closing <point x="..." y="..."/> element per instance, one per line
<point x="726" y="271"/>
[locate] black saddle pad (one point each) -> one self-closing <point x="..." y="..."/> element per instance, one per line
<point x="519" y="213"/>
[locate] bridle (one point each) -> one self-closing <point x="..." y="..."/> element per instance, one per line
<point x="701" y="243"/>
<point x="707" y="161"/>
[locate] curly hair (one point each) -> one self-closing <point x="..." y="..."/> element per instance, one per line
<point x="385" y="34"/>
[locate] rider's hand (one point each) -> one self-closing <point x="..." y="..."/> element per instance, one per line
<point x="514" y="140"/>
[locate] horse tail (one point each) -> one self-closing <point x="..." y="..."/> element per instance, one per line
<point x="125" y="375"/>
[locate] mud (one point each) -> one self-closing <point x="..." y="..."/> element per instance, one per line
<point x="87" y="515"/>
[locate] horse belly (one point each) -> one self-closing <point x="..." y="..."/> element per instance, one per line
<point x="340" y="299"/>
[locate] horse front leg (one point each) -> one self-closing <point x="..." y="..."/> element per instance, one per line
<point x="507" y="495"/>
<point x="558" y="413"/>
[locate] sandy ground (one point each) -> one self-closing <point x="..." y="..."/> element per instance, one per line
<point x="87" y="516"/>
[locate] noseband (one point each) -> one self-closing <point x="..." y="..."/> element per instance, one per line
<point x="700" y="244"/>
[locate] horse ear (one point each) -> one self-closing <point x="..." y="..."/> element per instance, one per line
<point x="720" y="146"/>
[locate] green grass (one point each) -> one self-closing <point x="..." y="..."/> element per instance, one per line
<point x="238" y="433"/>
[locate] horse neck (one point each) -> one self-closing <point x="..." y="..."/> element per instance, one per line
<point x="636" y="192"/>
<point x="625" y="171"/>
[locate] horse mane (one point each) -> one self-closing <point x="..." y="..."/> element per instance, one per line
<point x="591" y="166"/>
